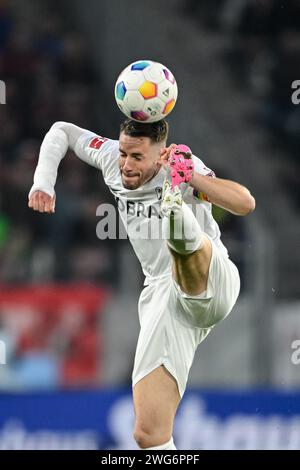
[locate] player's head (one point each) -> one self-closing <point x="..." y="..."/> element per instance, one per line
<point x="141" y="146"/>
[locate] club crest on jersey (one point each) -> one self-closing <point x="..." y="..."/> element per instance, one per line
<point x="158" y="191"/>
<point x="97" y="142"/>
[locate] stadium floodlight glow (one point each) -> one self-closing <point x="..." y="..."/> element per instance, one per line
<point x="2" y="92"/>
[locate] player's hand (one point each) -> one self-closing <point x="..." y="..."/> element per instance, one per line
<point x="165" y="154"/>
<point x="42" y="202"/>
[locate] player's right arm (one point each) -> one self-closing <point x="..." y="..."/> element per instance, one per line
<point x="61" y="137"/>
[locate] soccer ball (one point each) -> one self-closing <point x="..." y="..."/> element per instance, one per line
<point x="146" y="91"/>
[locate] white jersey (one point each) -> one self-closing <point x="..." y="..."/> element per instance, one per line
<point x="139" y="209"/>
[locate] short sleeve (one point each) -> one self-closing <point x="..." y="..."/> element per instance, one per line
<point x="203" y="170"/>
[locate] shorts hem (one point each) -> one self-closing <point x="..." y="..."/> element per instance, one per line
<point x="148" y="370"/>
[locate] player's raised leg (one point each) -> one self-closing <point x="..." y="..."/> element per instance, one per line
<point x="190" y="248"/>
<point x="156" y="398"/>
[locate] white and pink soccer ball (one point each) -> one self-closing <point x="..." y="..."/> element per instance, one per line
<point x="146" y="91"/>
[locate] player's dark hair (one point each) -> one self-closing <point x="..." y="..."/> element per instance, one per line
<point x="156" y="131"/>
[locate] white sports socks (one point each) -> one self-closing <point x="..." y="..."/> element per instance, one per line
<point x="167" y="446"/>
<point x="182" y="231"/>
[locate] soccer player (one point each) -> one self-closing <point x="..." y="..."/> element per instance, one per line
<point x="191" y="284"/>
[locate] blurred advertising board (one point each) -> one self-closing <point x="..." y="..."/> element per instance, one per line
<point x="103" y="419"/>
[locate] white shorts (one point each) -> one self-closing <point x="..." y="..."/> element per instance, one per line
<point x="174" y="323"/>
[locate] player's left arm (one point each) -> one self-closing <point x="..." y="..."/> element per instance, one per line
<point x="227" y="194"/>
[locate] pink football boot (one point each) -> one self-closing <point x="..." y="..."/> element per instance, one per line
<point x="181" y="165"/>
<point x="179" y="174"/>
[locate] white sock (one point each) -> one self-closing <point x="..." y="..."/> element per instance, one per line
<point x="182" y="231"/>
<point x="167" y="446"/>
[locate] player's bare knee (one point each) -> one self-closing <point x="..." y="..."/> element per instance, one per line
<point x="142" y="439"/>
<point x="149" y="438"/>
<point x="148" y="433"/>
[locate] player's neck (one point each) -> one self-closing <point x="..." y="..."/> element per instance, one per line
<point x="154" y="174"/>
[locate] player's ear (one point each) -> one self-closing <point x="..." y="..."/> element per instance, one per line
<point x="163" y="153"/>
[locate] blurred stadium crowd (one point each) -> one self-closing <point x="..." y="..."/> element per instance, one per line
<point x="263" y="60"/>
<point x="49" y="77"/>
